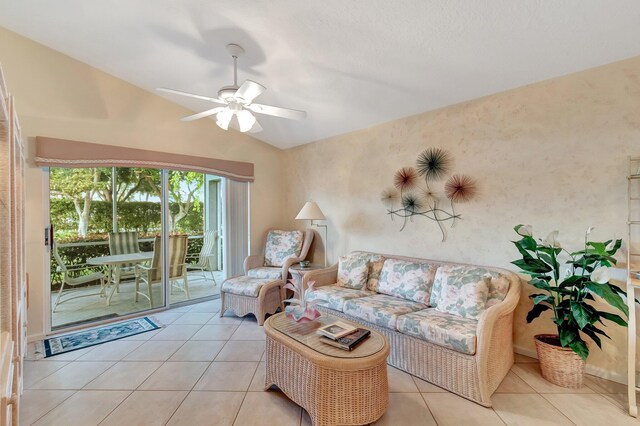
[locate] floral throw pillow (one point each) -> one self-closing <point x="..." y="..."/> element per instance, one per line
<point x="464" y="298"/>
<point x="498" y="283"/>
<point x="282" y="245"/>
<point x="408" y="280"/>
<point x="353" y="271"/>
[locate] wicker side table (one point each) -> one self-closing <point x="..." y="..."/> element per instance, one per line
<point x="335" y="387"/>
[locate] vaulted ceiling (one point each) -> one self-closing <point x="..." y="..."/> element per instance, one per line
<point x="349" y="64"/>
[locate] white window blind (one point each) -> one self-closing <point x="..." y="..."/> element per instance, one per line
<point x="236" y="226"/>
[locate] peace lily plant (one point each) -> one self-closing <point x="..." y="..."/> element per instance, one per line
<point x="569" y="287"/>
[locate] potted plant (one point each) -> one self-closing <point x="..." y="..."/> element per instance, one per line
<point x="569" y="281"/>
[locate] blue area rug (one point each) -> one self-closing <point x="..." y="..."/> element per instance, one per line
<point x="95" y="336"/>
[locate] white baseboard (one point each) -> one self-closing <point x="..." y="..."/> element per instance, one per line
<point x="35" y="337"/>
<point x="590" y="369"/>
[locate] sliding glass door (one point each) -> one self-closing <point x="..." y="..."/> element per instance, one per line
<point x="109" y="257"/>
<point x="107" y="248"/>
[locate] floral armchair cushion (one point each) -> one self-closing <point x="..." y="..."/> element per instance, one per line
<point x="244" y="286"/>
<point x="408" y="280"/>
<point x="462" y="297"/>
<point x="334" y="297"/>
<point x="449" y="331"/>
<point x="271" y="272"/>
<point x="353" y="271"/>
<point x="498" y="283"/>
<point x="282" y="245"/>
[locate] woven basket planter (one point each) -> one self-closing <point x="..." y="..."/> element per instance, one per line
<point x="561" y="366"/>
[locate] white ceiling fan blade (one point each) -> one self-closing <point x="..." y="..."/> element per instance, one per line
<point x="292" y="114"/>
<point x="257" y="128"/>
<point x="203" y="114"/>
<point x="192" y="95"/>
<point x="249" y="91"/>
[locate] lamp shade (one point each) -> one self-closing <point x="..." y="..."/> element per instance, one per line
<point x="310" y="211"/>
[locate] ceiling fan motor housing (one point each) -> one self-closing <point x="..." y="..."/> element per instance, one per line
<point x="227" y="92"/>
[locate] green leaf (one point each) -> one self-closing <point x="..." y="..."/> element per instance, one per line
<point x="593" y="336"/>
<point x="536" y="311"/>
<point x="540" y="298"/>
<point x="609" y="296"/>
<point x="528" y="243"/>
<point x="598" y="247"/>
<point x="583" y="314"/>
<point x="525" y="254"/>
<point x="567" y="335"/>
<point x="613" y="317"/>
<point x="580" y="348"/>
<point x="540" y="283"/>
<point x="574" y="280"/>
<point x="532" y="265"/>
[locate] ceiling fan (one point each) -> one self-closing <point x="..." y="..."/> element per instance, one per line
<point x="238" y="102"/>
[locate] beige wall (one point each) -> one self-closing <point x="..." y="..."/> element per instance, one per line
<point x="551" y="154"/>
<point x="62" y="98"/>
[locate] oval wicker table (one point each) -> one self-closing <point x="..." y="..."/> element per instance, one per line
<point x="334" y="386"/>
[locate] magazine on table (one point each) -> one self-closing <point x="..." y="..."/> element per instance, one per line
<point x="336" y="330"/>
<point x="349" y="341"/>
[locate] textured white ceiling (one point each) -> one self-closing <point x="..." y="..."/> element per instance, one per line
<point x="349" y="64"/>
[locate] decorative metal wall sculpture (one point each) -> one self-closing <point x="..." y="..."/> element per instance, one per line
<point x="408" y="198"/>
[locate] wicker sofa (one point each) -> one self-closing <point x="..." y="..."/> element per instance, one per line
<point x="464" y="344"/>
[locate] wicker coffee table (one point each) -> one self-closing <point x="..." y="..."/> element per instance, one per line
<point x="336" y="387"/>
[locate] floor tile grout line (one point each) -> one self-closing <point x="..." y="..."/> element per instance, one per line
<point x="177" y="408"/>
<point x="428" y="408"/>
<point x="74" y="391"/>
<point x="115" y="408"/>
<point x="55" y="371"/>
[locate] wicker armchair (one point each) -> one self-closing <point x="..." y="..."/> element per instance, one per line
<point x="261" y="290"/>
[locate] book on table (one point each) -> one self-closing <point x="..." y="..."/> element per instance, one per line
<point x="348" y="342"/>
<point x="336" y="330"/>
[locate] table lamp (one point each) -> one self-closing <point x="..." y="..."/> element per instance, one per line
<point x="311" y="211"/>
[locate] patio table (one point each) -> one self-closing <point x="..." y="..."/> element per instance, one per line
<point x="111" y="261"/>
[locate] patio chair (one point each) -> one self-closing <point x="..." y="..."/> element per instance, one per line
<point x="70" y="281"/>
<point x="206" y="259"/>
<point x="152" y="273"/>
<point x="123" y="243"/>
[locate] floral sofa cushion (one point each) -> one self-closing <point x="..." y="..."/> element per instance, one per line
<point x="407" y="280"/>
<point x="244" y="286"/>
<point x="270" y="272"/>
<point x="334" y="297"/>
<point x="449" y="331"/>
<point x="380" y="309"/>
<point x="353" y="271"/>
<point x="466" y="299"/>
<point x="498" y="285"/>
<point x="282" y="245"/>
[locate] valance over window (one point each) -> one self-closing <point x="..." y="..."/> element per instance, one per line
<point x="52" y="152"/>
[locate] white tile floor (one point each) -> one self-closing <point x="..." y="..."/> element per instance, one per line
<point x="206" y="370"/>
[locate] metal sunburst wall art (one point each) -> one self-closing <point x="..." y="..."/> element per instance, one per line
<point x="408" y="198"/>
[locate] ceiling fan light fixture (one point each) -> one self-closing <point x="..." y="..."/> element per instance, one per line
<point x="246" y="120"/>
<point x="223" y="118"/>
